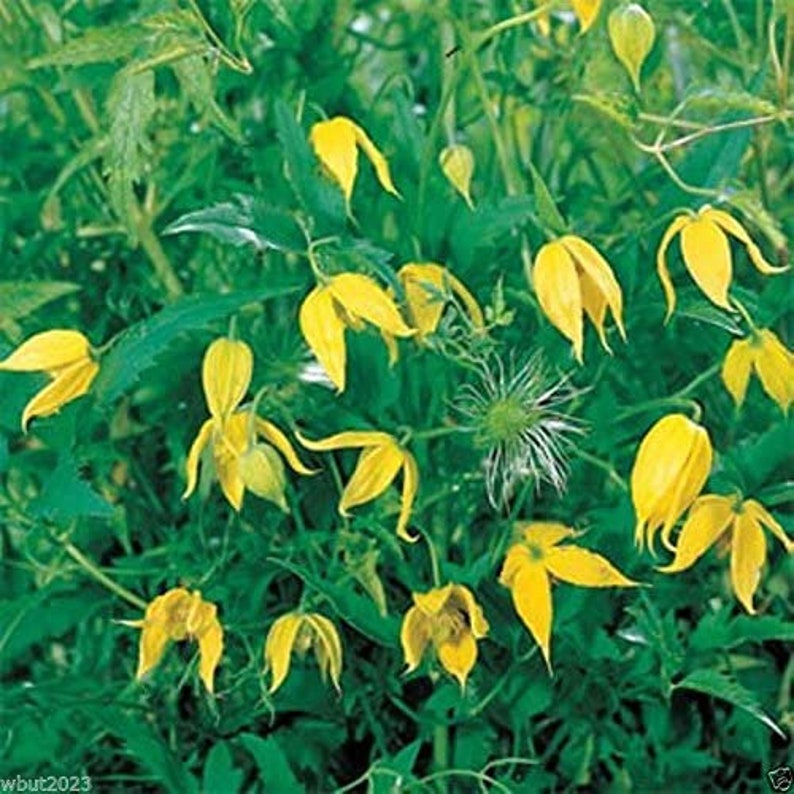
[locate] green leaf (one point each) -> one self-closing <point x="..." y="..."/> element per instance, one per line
<point x="96" y="45"/>
<point x="274" y="769"/>
<point x="149" y="748"/>
<point x="720" y="685"/>
<point x="547" y="210"/>
<point x="21" y="298"/>
<point x="719" y="631"/>
<point x="66" y="494"/>
<point x="130" y="106"/>
<point x="244" y="221"/>
<point x="704" y="312"/>
<point x="193" y="73"/>
<point x="220" y="774"/>
<point x="138" y="347"/>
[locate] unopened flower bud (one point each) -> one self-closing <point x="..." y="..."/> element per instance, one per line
<point x="631" y="32"/>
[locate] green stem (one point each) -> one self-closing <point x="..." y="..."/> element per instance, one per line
<point x="663" y="402"/>
<point x="157" y="256"/>
<point x="695" y="382"/>
<point x="604" y="466"/>
<point x="433" y="560"/>
<point x="441" y="751"/>
<point x="513" y="22"/>
<point x="740" y="307"/>
<point x="95" y="573"/>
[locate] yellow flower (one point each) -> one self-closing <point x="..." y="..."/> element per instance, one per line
<point x="765" y="354"/>
<point x="379" y="463"/>
<point x="530" y="564"/>
<point x="570" y="277"/>
<point x="457" y="163"/>
<point x="671" y="467"/>
<point x="450" y="619"/>
<point x="733" y="524"/>
<point x="586" y="12"/>
<point x="175" y="616"/>
<point x="336" y="143"/>
<point x="66" y="357"/>
<point x="345" y="301"/>
<point x="707" y="254"/>
<point x="428" y="287"/>
<point x="299" y="632"/>
<point x="241" y="460"/>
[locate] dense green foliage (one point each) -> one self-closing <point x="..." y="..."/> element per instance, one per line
<point x="158" y="187"/>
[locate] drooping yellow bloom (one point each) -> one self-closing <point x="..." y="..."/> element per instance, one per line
<point x="570" y="277"/>
<point x="175" y="616"/>
<point x="380" y="461"/>
<point x="66" y="357"/>
<point x="336" y="143"/>
<point x="428" y="287"/>
<point x="530" y="564"/>
<point x="671" y="467"/>
<point x="733" y="524"/>
<point x="296" y="631"/>
<point x="346" y="301"/>
<point x="764" y="354"/>
<point x="707" y="254"/>
<point x="457" y="163"/>
<point x="452" y="621"/>
<point x="241" y="460"/>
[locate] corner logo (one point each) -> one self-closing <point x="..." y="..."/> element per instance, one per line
<point x="781" y="778"/>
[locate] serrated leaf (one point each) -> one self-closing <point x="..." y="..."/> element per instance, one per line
<point x="21" y="298"/>
<point x="617" y="107"/>
<point x="244" y="221"/>
<point x="719" y="631"/>
<point x="720" y="685"/>
<point x="96" y="45"/>
<point x="193" y="73"/>
<point x="704" y="312"/>
<point x="138" y="347"/>
<point x="130" y="105"/>
<point x="67" y="494"/>
<point x="91" y="150"/>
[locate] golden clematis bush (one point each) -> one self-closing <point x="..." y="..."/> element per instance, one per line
<point x="396" y="395"/>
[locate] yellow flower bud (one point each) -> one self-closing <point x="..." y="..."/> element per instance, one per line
<point x="631" y="33"/>
<point x="457" y="163"/>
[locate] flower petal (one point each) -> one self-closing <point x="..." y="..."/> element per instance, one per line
<point x="732" y="226"/>
<point x="376" y="469"/>
<point x="433" y="601"/>
<point x="457" y="163"/>
<point x="282" y="444"/>
<point x="375" y="156"/>
<point x="210" y="642"/>
<point x="531" y="591"/>
<point x="584" y="568"/>
<point x="586" y="12"/>
<point x="458" y="656"/>
<point x="364" y="298"/>
<point x="545" y="534"/>
<point x="70" y="383"/>
<point x="278" y="647"/>
<point x="347" y="440"/>
<point x="262" y="472"/>
<point x="194" y="455"/>
<point x="226" y="375"/>
<point x="748" y="554"/>
<point x="334" y="143"/>
<point x="414" y="637"/>
<point x="329" y="648"/>
<point x="595" y="307"/>
<point x="476" y="618"/>
<point x="425" y="295"/>
<point x="775" y="367"/>
<point x="600" y="273"/>
<point x="672" y="230"/>
<point x="324" y="333"/>
<point x="559" y="293"/>
<point x="757" y="511"/>
<point x="736" y="368"/>
<point x="410" y="487"/>
<point x="707" y="521"/>
<point x="707" y="256"/>
<point x="47" y="351"/>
